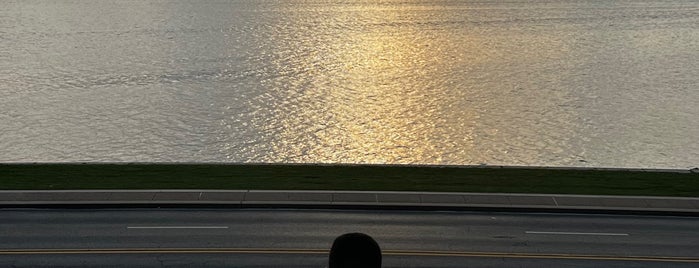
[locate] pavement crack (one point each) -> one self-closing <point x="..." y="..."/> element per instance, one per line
<point x="160" y="260"/>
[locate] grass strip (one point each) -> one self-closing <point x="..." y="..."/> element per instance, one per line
<point x="347" y="177"/>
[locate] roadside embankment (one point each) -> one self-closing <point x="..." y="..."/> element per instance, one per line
<point x="472" y="179"/>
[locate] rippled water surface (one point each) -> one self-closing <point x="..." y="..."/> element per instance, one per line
<point x="550" y="82"/>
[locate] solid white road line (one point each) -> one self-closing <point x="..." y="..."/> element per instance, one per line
<point x="177" y="227"/>
<point x="575" y="233"/>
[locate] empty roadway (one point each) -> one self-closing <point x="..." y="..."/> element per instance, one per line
<point x="301" y="238"/>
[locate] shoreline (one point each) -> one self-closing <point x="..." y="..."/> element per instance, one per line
<point x="485" y="166"/>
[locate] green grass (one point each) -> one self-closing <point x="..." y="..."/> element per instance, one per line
<point x="346" y="177"/>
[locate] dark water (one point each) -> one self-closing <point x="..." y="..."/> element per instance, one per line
<point x="561" y="83"/>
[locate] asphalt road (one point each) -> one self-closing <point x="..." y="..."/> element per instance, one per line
<point x="301" y="238"/>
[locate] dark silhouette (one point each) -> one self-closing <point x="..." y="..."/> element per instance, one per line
<point x="355" y="250"/>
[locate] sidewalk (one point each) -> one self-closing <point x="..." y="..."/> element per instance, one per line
<point x="352" y="200"/>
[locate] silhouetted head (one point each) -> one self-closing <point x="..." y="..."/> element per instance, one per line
<point x="355" y="250"/>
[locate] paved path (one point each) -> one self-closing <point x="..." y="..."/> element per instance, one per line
<point x="354" y="199"/>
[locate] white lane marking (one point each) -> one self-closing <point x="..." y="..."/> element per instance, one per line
<point x="575" y="233"/>
<point x="177" y="227"/>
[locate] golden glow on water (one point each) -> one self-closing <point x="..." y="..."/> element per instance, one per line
<point x="373" y="103"/>
<point x="381" y="69"/>
<point x="395" y="93"/>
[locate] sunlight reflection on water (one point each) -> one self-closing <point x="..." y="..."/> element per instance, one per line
<point x="562" y="83"/>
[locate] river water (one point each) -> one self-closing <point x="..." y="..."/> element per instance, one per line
<point x="603" y="83"/>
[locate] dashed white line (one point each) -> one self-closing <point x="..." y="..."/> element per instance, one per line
<point x="177" y="227"/>
<point x="575" y="233"/>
